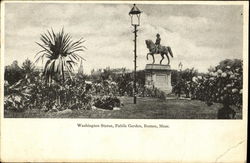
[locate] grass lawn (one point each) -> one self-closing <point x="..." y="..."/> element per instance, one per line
<point x="146" y="108"/>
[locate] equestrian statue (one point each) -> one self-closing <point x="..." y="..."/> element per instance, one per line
<point x="157" y="48"/>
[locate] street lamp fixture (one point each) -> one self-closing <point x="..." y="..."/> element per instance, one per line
<point x="135" y="14"/>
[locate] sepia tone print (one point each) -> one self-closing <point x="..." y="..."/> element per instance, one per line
<point x="123" y="61"/>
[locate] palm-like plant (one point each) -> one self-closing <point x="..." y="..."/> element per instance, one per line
<point x="60" y="53"/>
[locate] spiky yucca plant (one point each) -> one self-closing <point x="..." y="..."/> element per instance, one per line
<point x="60" y="53"/>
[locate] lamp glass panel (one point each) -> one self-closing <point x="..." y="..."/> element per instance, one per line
<point x="135" y="20"/>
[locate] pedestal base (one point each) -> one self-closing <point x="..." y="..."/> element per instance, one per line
<point x="158" y="76"/>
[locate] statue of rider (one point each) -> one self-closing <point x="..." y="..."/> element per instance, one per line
<point x="157" y="42"/>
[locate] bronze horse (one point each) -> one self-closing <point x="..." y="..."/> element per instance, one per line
<point x="163" y="50"/>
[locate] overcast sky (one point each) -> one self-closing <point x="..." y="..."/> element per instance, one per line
<point x="200" y="35"/>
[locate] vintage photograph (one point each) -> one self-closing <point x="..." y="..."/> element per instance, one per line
<point x="123" y="60"/>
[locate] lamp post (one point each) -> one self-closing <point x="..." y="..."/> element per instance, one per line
<point x="135" y="14"/>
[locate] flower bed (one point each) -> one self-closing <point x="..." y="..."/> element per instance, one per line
<point x="107" y="102"/>
<point x="218" y="84"/>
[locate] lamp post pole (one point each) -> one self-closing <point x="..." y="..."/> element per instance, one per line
<point x="135" y="21"/>
<point x="135" y="56"/>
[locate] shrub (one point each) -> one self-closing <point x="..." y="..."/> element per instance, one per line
<point x="107" y="102"/>
<point x="152" y="92"/>
<point x="225" y="80"/>
<point x="34" y="92"/>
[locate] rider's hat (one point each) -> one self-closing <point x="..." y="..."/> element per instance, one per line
<point x="157" y="34"/>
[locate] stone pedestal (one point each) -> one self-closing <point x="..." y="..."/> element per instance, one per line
<point x="158" y="76"/>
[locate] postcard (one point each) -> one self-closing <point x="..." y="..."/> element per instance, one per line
<point x="124" y="81"/>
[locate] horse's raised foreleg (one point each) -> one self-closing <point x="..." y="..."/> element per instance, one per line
<point x="162" y="57"/>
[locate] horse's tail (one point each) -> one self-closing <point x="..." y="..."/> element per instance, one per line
<point x="170" y="51"/>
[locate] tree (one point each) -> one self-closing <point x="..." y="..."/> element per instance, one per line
<point x="182" y="81"/>
<point x="188" y="74"/>
<point x="27" y="67"/>
<point x="60" y="52"/>
<point x="13" y="73"/>
<point x="231" y="63"/>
